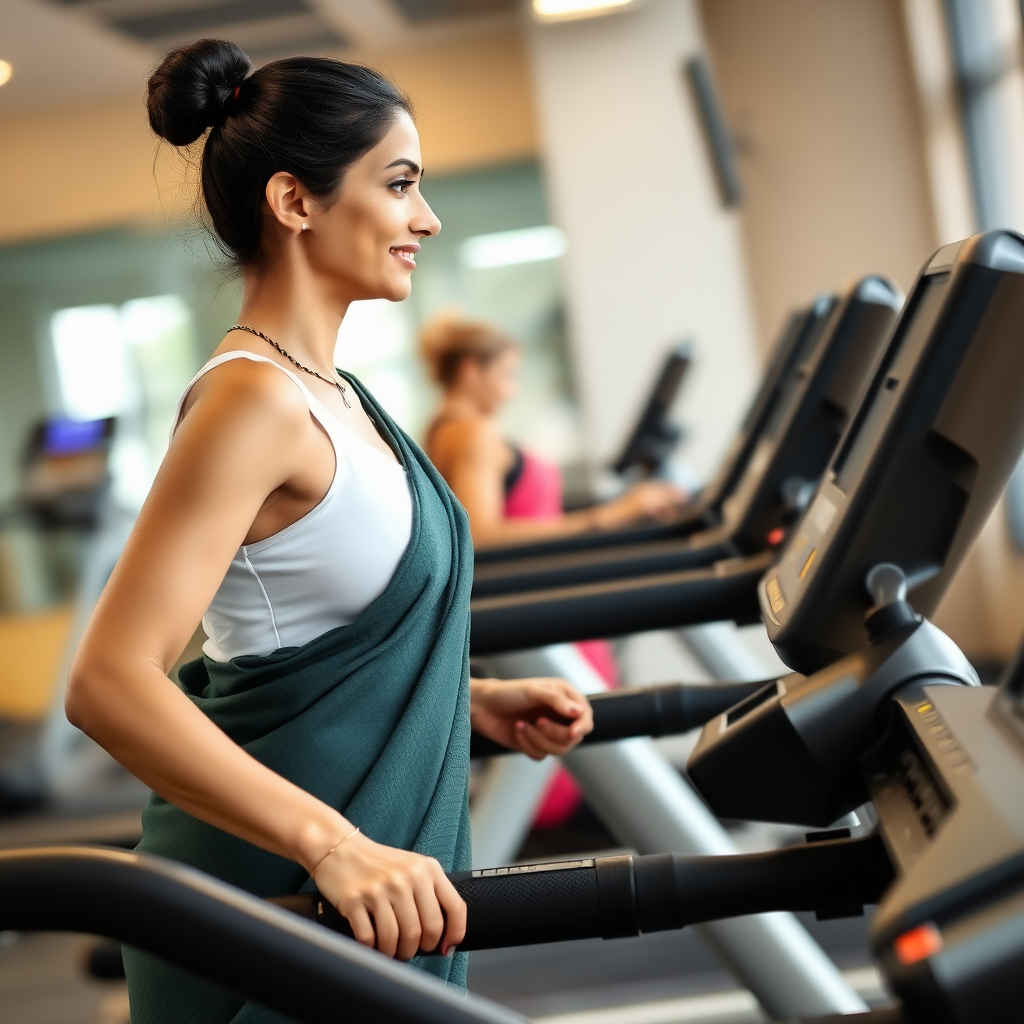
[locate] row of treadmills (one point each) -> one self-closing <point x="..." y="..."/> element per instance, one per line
<point x="875" y="450"/>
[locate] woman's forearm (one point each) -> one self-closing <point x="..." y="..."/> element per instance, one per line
<point x="147" y="724"/>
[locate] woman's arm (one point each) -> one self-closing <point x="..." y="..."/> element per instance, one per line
<point x="473" y="458"/>
<point x="235" y="454"/>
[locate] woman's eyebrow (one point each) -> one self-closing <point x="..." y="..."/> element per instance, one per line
<point x="404" y="162"/>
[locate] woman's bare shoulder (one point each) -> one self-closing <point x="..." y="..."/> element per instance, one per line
<point x="466" y="436"/>
<point x="240" y="386"/>
<point x="245" y="403"/>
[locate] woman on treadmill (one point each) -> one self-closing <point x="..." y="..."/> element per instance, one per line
<point x="511" y="495"/>
<point x="323" y="739"/>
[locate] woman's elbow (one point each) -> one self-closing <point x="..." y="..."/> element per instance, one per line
<point x="81" y="698"/>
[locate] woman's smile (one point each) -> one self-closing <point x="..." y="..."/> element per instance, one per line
<point x="406" y="254"/>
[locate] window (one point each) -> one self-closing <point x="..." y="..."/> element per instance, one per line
<point x="130" y="361"/>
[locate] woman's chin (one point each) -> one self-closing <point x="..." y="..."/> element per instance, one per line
<point x="397" y="291"/>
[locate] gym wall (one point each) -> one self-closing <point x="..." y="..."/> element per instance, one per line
<point x="653" y="256"/>
<point x="821" y="96"/>
<point x="473" y="102"/>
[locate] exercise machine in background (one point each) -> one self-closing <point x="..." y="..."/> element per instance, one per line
<point x="656" y="435"/>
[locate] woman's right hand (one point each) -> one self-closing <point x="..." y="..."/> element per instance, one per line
<point x="650" y="499"/>
<point x="397" y="902"/>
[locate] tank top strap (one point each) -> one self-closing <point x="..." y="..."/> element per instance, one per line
<point x="316" y="407"/>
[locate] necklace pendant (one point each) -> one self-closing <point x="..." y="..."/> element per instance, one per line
<point x="344" y="398"/>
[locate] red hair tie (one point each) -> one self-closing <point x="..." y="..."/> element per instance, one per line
<point x="238" y="89"/>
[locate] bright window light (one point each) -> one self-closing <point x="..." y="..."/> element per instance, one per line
<point x="131" y="361"/>
<point x="92" y="364"/>
<point x="5" y="72"/>
<point x="148" y="321"/>
<point x="375" y="343"/>
<point x="527" y="245"/>
<point x="374" y="330"/>
<point x="564" y="10"/>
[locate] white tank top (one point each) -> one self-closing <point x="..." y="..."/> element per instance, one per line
<point x="324" y="569"/>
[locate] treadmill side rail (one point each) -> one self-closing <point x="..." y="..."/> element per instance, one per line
<point x="223" y="934"/>
<point x="726" y="590"/>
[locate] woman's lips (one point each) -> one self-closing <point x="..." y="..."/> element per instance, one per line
<point x="405" y="254"/>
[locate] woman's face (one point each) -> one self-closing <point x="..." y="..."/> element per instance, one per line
<point x="492" y="382"/>
<point x="365" y="244"/>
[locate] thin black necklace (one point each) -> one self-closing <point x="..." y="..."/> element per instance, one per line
<point x="319" y="376"/>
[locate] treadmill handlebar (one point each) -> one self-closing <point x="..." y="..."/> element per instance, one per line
<point x="667" y="710"/>
<point x="513" y="622"/>
<point x="230" y="937"/>
<point x="616" y="897"/>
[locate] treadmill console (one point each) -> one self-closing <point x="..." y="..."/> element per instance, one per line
<point x="801" y="332"/>
<point x="923" y="462"/>
<point x="946" y="783"/>
<point x="815" y="404"/>
<point x="655" y="435"/>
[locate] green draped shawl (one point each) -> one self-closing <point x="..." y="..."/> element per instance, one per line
<point x="372" y="718"/>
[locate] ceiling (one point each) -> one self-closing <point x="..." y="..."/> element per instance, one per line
<point x="66" y="51"/>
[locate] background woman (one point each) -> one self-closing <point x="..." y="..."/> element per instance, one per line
<point x="324" y="736"/>
<point x="511" y="495"/>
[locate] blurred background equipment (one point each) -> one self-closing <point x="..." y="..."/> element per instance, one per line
<point x="656" y="434"/>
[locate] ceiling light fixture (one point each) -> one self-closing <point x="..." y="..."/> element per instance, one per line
<point x="5" y="72"/>
<point x="568" y="10"/>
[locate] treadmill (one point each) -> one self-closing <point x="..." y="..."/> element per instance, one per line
<point x="900" y="720"/>
<point x="940" y="760"/>
<point x="915" y="478"/>
<point x="815" y="400"/>
<point x="964" y="298"/>
<point x="655" y="435"/>
<point x="703" y="511"/>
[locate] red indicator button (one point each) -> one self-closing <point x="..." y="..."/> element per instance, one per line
<point x="917" y="944"/>
<point x="776" y="536"/>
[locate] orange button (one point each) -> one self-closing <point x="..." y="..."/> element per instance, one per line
<point x="776" y="536"/>
<point x="917" y="944"/>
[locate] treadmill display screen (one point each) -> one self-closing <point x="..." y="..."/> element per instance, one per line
<point x="879" y="403"/>
<point x="71" y="437"/>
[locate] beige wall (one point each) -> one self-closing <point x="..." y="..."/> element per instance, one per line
<point x="89" y="166"/>
<point x="823" y="98"/>
<point x="653" y="258"/>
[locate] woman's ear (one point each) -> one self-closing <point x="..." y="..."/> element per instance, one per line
<point x="289" y="202"/>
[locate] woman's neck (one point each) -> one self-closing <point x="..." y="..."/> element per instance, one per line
<point x="286" y="305"/>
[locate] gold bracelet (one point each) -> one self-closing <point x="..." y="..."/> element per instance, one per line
<point x="331" y="850"/>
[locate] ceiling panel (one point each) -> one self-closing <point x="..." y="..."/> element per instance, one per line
<point x="265" y="28"/>
<point x="195" y="21"/>
<point x="419" y="11"/>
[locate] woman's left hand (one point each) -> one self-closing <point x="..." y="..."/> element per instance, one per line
<point x="534" y="716"/>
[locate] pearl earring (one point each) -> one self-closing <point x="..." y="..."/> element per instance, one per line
<point x="305" y="227"/>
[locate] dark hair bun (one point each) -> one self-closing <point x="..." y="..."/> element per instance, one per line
<point x="192" y="88"/>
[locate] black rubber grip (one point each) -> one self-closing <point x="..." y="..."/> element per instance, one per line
<point x="525" y="905"/>
<point x="667" y="710"/>
<point x="551" y="904"/>
<point x="674" y="891"/>
<point x="613" y="897"/>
